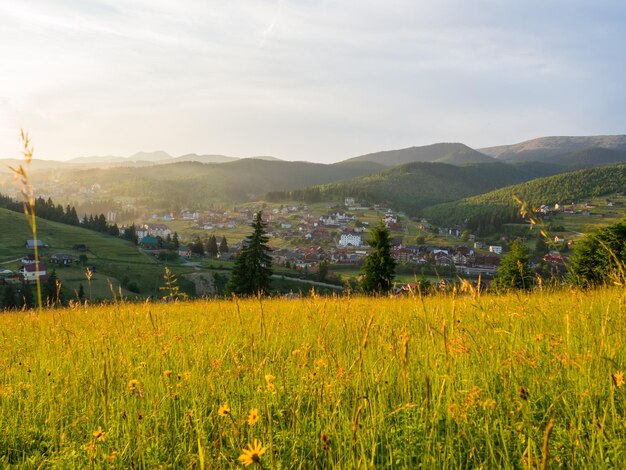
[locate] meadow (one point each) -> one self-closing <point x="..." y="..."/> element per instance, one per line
<point x="461" y="380"/>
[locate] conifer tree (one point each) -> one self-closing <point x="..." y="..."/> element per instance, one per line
<point x="514" y="272"/>
<point x="253" y="269"/>
<point x="223" y="245"/>
<point x="379" y="267"/>
<point x="9" y="299"/>
<point x="211" y="246"/>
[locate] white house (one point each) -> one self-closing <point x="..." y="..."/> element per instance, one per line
<point x="30" y="274"/>
<point x="497" y="249"/>
<point x="350" y="239"/>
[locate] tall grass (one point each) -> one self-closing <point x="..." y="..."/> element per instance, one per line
<point x="456" y="381"/>
<point x="28" y="195"/>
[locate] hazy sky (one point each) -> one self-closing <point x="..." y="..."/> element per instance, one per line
<point x="315" y="80"/>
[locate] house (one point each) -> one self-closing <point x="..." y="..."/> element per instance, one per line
<point x="30" y="244"/>
<point x="28" y="259"/>
<point x="350" y="239"/>
<point x="150" y="243"/>
<point x="62" y="259"/>
<point x="158" y="230"/>
<point x="497" y="249"/>
<point x="5" y="273"/>
<point x="184" y="251"/>
<point x="349" y="201"/>
<point x="30" y="274"/>
<point x="558" y="239"/>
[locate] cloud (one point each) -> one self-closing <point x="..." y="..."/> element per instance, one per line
<point x="320" y="80"/>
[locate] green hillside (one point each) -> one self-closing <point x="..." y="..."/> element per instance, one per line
<point x="114" y="258"/>
<point x="414" y="186"/>
<point x="549" y="149"/>
<point x="192" y="184"/>
<point x="562" y="188"/>
<point x="452" y="153"/>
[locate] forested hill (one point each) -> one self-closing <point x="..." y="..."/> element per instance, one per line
<point x="414" y="186"/>
<point x="562" y="188"/>
<point x="452" y="153"/>
<point x="193" y="183"/>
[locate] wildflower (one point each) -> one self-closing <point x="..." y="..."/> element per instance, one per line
<point x="99" y="435"/>
<point x="167" y="373"/>
<point x="269" y="378"/>
<point x="133" y="385"/>
<point x="223" y="410"/>
<point x="270" y="387"/>
<point x="113" y="456"/>
<point x="252" y="454"/>
<point x="253" y="416"/>
<point x="618" y="379"/>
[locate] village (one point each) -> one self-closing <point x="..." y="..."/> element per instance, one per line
<point x="304" y="237"/>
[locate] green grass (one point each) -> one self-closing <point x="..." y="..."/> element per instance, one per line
<point x="440" y="382"/>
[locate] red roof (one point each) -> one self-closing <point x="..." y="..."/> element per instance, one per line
<point x="31" y="267"/>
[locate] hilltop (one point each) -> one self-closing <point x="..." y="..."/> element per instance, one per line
<point x="549" y="149"/>
<point x="451" y="153"/>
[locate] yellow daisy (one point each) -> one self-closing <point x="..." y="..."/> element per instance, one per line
<point x="253" y="416"/>
<point x="252" y="454"/>
<point x="223" y="410"/>
<point x="618" y="378"/>
<point x="99" y="434"/>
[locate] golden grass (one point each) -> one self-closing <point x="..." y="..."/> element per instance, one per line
<point x="515" y="381"/>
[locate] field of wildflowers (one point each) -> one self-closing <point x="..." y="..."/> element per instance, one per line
<point x="449" y="381"/>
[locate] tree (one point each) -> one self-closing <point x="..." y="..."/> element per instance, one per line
<point x="9" y="299"/>
<point x="52" y="290"/>
<point x="175" y="240"/>
<point x="514" y="272"/>
<point x="25" y="296"/>
<point x="197" y="247"/>
<point x="211" y="246"/>
<point x="223" y="245"/>
<point x="252" y="272"/>
<point x="600" y="257"/>
<point x="379" y="267"/>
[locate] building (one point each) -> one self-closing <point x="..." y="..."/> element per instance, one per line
<point x="350" y="239"/>
<point x="30" y="274"/>
<point x="497" y="249"/>
<point x="62" y="259"/>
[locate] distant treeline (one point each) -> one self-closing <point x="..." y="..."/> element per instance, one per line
<point x="46" y="209"/>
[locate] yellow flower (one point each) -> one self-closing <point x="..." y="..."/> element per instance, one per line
<point x="618" y="379"/>
<point x="253" y="416"/>
<point x="133" y="385"/>
<point x="167" y="373"/>
<point x="269" y="378"/>
<point x="270" y="387"/>
<point x="223" y="410"/>
<point x="252" y="454"/>
<point x="100" y="435"/>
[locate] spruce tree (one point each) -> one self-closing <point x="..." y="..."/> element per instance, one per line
<point x="211" y="246"/>
<point x="514" y="272"/>
<point x="9" y="299"/>
<point x="223" y="245"/>
<point x="252" y="272"/>
<point x="379" y="267"/>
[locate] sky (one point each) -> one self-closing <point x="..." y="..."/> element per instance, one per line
<point x="309" y="80"/>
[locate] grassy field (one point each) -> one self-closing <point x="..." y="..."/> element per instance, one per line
<point x="458" y="381"/>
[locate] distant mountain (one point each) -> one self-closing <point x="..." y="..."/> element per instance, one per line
<point x="156" y="156"/>
<point x="97" y="160"/>
<point x="590" y="157"/>
<point x="190" y="184"/>
<point x="452" y="153"/>
<point x="562" y="188"/>
<point x="413" y="186"/>
<point x="545" y="149"/>
<point x="194" y="157"/>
